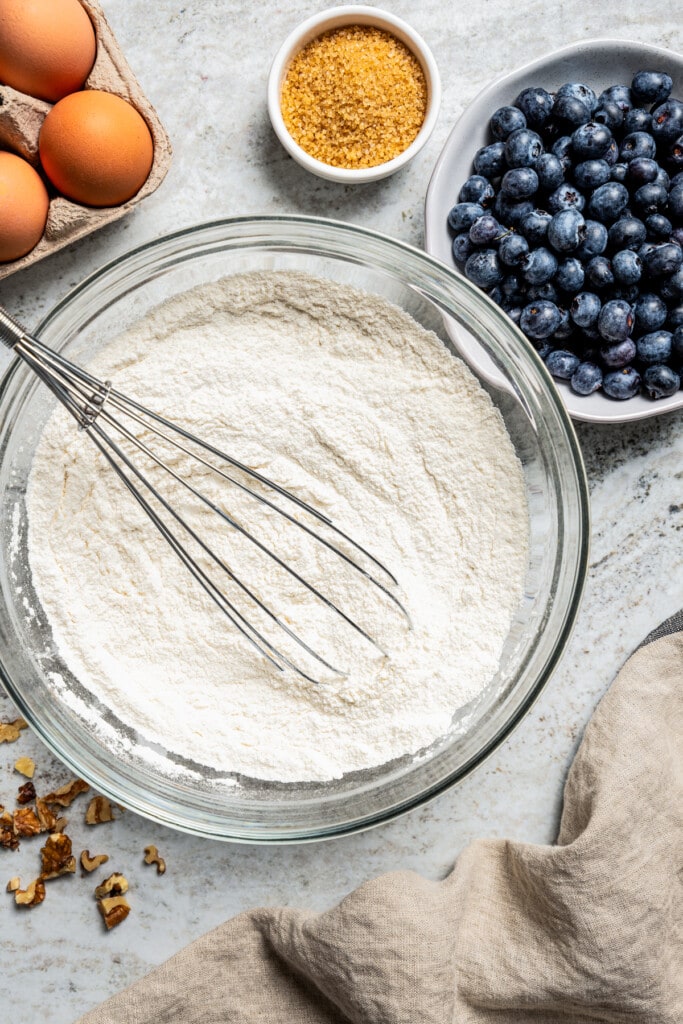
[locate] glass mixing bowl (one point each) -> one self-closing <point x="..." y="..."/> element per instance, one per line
<point x="192" y="797"/>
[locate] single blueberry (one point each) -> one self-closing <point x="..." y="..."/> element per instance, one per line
<point x="663" y="259"/>
<point x="650" y="312"/>
<point x="510" y="213"/>
<point x="565" y="231"/>
<point x="618" y="172"/>
<point x="637" y="144"/>
<point x="661" y="381"/>
<point x="659" y="227"/>
<point x="562" y="364"/>
<point x="519" y="183"/>
<point x="549" y="170"/>
<point x="463" y="215"/>
<point x="650" y="199"/>
<point x="611" y="154"/>
<point x="586" y="379"/>
<point x="562" y="149"/>
<point x="616" y="319"/>
<point x="489" y="161"/>
<point x="462" y="247"/>
<point x="676" y="152"/>
<point x="651" y="86"/>
<point x="619" y="94"/>
<point x="671" y="286"/>
<point x="627" y="233"/>
<point x="536" y="104"/>
<point x="485" y="230"/>
<point x="569" y="112"/>
<point x="511" y="285"/>
<point x="591" y="140"/>
<point x="594" y="242"/>
<point x="540" y="319"/>
<point x="618" y="353"/>
<point x="477" y="189"/>
<point x="483" y="268"/>
<point x="663" y="179"/>
<point x="570" y="275"/>
<point x="608" y="202"/>
<point x="580" y="92"/>
<point x="637" y="120"/>
<point x="522" y="148"/>
<point x="627" y="266"/>
<point x="565" y="197"/>
<point x="654" y="347"/>
<point x="642" y="170"/>
<point x="534" y="226"/>
<point x="610" y="114"/>
<point x="667" y="121"/>
<point x="621" y="384"/>
<point x="512" y="249"/>
<point x="646" y="248"/>
<point x="539" y="266"/>
<point x="591" y="173"/>
<point x="585" y="309"/>
<point x="506" y="120"/>
<point x="599" y="273"/>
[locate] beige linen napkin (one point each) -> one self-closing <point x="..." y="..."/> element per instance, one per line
<point x="586" y="930"/>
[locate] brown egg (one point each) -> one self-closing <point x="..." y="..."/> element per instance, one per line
<point x="23" y="207"/>
<point x="47" y="47"/>
<point x="96" y="148"/>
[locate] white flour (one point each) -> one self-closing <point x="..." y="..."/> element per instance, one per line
<point x="348" y="402"/>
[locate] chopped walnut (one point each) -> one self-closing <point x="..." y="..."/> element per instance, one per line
<point x="9" y="731"/>
<point x="8" y="837"/>
<point x="47" y="817"/>
<point x="25" y="766"/>
<point x="14" y="884"/>
<point x="152" y="857"/>
<point x="115" y="885"/>
<point x="89" y="863"/>
<point x="32" y="895"/>
<point x="26" y="822"/>
<point x="98" y="811"/>
<point x="56" y="857"/>
<point x="65" y="795"/>
<point x="26" y="793"/>
<point x="114" y="910"/>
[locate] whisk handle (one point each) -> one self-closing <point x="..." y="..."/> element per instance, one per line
<point x="11" y="333"/>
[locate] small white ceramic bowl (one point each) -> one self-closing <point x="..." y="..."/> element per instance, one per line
<point x="325" y="21"/>
<point x="599" y="63"/>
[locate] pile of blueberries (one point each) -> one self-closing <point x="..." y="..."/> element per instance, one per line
<point x="573" y="223"/>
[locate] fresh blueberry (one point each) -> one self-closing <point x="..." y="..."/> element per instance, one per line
<point x="510" y="213"/>
<point x="667" y="121"/>
<point x="485" y="230"/>
<point x="650" y="199"/>
<point x="495" y="294"/>
<point x="511" y="286"/>
<point x="514" y="312"/>
<point x="540" y="319"/>
<point x="564" y="198"/>
<point x="585" y="309"/>
<point x="608" y="202"/>
<point x="627" y="266"/>
<point x="506" y="120"/>
<point x="489" y="161"/>
<point x="477" y="189"/>
<point x="663" y="179"/>
<point x="610" y="114"/>
<point x="539" y="266"/>
<point x="580" y="92"/>
<point x="566" y="328"/>
<point x="519" y="183"/>
<point x="463" y="216"/>
<point x="677" y="347"/>
<point x="650" y="312"/>
<point x="642" y="170"/>
<point x="637" y="120"/>
<point x="637" y="144"/>
<point x="512" y="249"/>
<point x="619" y="94"/>
<point x="570" y="275"/>
<point x="618" y="172"/>
<point x="562" y="364"/>
<point x="621" y="384"/>
<point x="627" y="233"/>
<point x="611" y="154"/>
<point x="546" y="290"/>
<point x="654" y="348"/>
<point x="659" y="227"/>
<point x="671" y="286"/>
<point x="565" y="231"/>
<point x="569" y="112"/>
<point x="663" y="259"/>
<point x="615" y="322"/>
<point x="651" y="86"/>
<point x="591" y="140"/>
<point x="591" y="173"/>
<point x="586" y="379"/>
<point x="599" y="273"/>
<point x="523" y="148"/>
<point x="534" y="226"/>
<point x="661" y="381"/>
<point x="483" y="268"/>
<point x="645" y="249"/>
<point x="594" y="242"/>
<point x="462" y="247"/>
<point x="676" y="201"/>
<point x="618" y="353"/>
<point x="544" y="348"/>
<point x="536" y="104"/>
<point x="676" y="152"/>
<point x="550" y="171"/>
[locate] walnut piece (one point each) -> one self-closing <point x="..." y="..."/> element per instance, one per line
<point x="14" y="884"/>
<point x="8" y="837"/>
<point x="46" y="816"/>
<point x="26" y="793"/>
<point x="115" y="885"/>
<point x="98" y="811"/>
<point x="114" y="910"/>
<point x="26" y="822"/>
<point x="152" y="857"/>
<point x="56" y="857"/>
<point x="9" y="731"/>
<point x="89" y="863"/>
<point x="66" y="794"/>
<point x="25" y="766"/>
<point x="32" y="895"/>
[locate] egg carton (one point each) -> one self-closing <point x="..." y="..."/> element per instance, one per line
<point x="21" y="118"/>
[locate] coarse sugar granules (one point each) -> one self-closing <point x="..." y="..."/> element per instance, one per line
<point x="354" y="97"/>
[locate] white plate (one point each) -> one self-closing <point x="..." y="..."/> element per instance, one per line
<point x="599" y="63"/>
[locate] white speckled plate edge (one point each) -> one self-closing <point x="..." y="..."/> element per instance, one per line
<point x="600" y="63"/>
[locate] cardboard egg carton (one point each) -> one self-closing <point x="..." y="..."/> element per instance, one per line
<point x="21" y="117"/>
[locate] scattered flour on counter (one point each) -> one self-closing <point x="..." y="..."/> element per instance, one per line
<point x="345" y="400"/>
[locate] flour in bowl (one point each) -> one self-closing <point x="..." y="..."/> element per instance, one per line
<point x="349" y="403"/>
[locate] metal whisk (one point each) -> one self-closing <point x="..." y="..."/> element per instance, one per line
<point x="99" y="409"/>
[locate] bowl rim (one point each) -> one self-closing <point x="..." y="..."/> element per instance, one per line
<point x="614" y="412"/>
<point x="337" y="17"/>
<point x="168" y="815"/>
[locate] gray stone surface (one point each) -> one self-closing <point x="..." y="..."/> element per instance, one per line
<point x="204" y="65"/>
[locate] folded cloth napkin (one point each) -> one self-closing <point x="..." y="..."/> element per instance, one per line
<point x="586" y="930"/>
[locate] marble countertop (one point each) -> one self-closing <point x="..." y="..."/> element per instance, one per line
<point x="204" y="66"/>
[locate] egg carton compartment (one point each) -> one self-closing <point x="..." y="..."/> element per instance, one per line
<point x="21" y="118"/>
